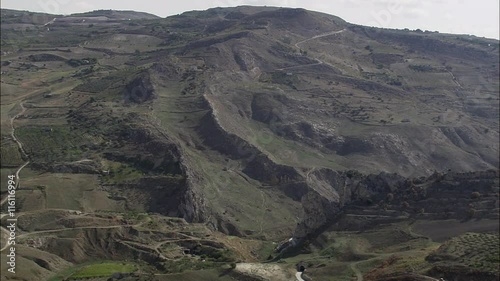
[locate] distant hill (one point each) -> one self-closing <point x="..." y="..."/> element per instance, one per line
<point x="117" y="15"/>
<point x="9" y="16"/>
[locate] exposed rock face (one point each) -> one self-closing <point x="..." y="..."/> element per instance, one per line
<point x="450" y="196"/>
<point x="264" y="169"/>
<point x="330" y="191"/>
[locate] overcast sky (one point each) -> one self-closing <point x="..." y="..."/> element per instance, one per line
<point x="479" y="17"/>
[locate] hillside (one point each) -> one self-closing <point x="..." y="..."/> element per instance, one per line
<point x="216" y="140"/>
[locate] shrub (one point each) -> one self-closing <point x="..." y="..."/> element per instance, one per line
<point x="475" y="195"/>
<point x="421" y="67"/>
<point x="471" y="213"/>
<point x="80" y="62"/>
<point x="390" y="197"/>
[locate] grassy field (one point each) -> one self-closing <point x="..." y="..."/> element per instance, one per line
<point x="94" y="270"/>
<point x="51" y="143"/>
<point x="335" y="255"/>
<point x="120" y="172"/>
<point x="440" y="231"/>
<point x="65" y="191"/>
<point x="10" y="155"/>
<point x="103" y="270"/>
<point x="6" y="114"/>
<point x="474" y="250"/>
<point x="205" y="275"/>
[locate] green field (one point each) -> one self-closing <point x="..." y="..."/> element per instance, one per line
<point x="51" y="143"/>
<point x="94" y="270"/>
<point x="205" y="275"/>
<point x="103" y="270"/>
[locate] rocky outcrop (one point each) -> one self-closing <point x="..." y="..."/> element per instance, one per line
<point x="391" y="197"/>
<point x="264" y="169"/>
<point x="140" y="89"/>
<point x="216" y="137"/>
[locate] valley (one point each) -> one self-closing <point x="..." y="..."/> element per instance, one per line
<point x="247" y="143"/>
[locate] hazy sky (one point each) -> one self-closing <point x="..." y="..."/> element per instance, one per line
<point x="477" y="17"/>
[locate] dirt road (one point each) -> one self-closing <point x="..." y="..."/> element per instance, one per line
<point x="319" y="36"/>
<point x="20" y="145"/>
<point x="318" y="61"/>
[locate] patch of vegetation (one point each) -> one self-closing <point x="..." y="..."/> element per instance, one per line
<point x="10" y="155"/>
<point x="422" y="67"/>
<point x="475" y="250"/>
<point x="95" y="85"/>
<point x="205" y="275"/>
<point x="103" y="270"/>
<point x="100" y="84"/>
<point x="80" y="62"/>
<point x="52" y="143"/>
<point x="188" y="264"/>
<point x="84" y="72"/>
<point x="94" y="269"/>
<point x="212" y="254"/>
<point x="282" y="48"/>
<point x="45" y="57"/>
<point x="122" y="172"/>
<point x="395" y="82"/>
<point x="266" y="251"/>
<point x="280" y="77"/>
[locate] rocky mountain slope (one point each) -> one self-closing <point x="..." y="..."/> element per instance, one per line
<point x="256" y="122"/>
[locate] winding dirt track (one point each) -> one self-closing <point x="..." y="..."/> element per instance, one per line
<point x="319" y="36"/>
<point x="359" y="276"/>
<point x="5" y="235"/>
<point x="20" y="145"/>
<point x="319" y="62"/>
<point x="17" y="179"/>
